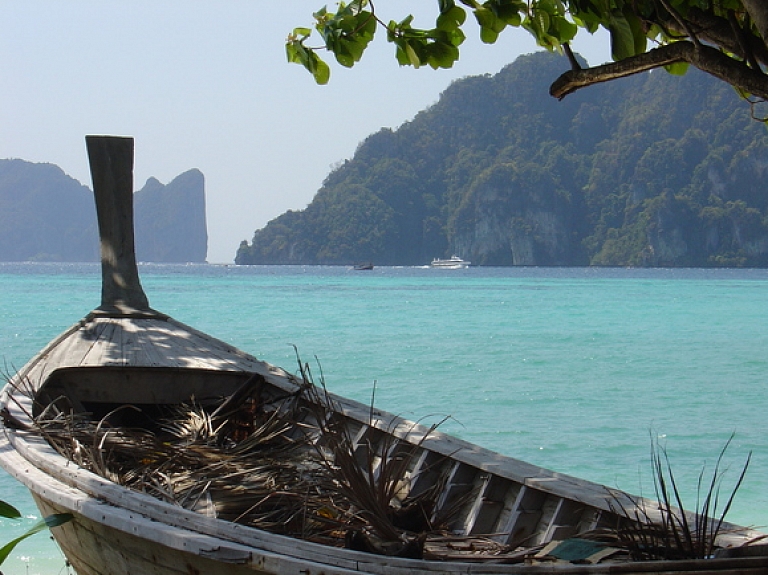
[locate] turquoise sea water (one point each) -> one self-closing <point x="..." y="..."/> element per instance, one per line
<point x="577" y="370"/>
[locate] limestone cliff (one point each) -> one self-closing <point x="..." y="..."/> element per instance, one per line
<point x="45" y="215"/>
<point x="515" y="216"/>
<point x="170" y="220"/>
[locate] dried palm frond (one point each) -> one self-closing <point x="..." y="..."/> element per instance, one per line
<point x="374" y="478"/>
<point x="668" y="532"/>
<point x="284" y="463"/>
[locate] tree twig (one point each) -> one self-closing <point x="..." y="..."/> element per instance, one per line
<point x="571" y="58"/>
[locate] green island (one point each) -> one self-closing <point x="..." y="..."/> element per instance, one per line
<point x="650" y="170"/>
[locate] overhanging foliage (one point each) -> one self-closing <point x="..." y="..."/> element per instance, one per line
<point x="725" y="38"/>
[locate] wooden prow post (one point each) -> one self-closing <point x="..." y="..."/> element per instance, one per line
<point x="111" y="160"/>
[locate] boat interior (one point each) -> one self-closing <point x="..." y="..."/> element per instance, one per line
<point x="378" y="483"/>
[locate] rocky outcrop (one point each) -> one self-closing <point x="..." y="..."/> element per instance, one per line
<point x="170" y="220"/>
<point x="45" y="215"/>
<point x="515" y="217"/>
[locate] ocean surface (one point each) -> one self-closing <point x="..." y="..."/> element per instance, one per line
<point x="579" y="370"/>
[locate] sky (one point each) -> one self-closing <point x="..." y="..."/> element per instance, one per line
<point x="206" y="85"/>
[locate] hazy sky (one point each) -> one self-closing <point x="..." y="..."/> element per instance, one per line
<point x="203" y="84"/>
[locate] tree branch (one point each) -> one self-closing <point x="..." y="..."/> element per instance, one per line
<point x="703" y="57"/>
<point x="758" y="11"/>
<point x="742" y="37"/>
<point x="718" y="31"/>
<point x="681" y="23"/>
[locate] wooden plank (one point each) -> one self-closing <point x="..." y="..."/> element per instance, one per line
<point x="481" y="484"/>
<point x="102" y="351"/>
<point x="458" y="488"/>
<point x="491" y="505"/>
<point x="72" y="351"/>
<point x="521" y="521"/>
<point x="565" y="521"/>
<point x="427" y="471"/>
<point x="162" y="347"/>
<point x="547" y="510"/>
<point x="131" y="347"/>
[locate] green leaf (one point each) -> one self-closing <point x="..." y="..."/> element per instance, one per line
<point x="490" y="25"/>
<point x="392" y="31"/>
<point x="321" y="73"/>
<point x="640" y="39"/>
<point x="543" y="20"/>
<point x="366" y="25"/>
<point x="442" y="55"/>
<point x="58" y="519"/>
<point x="451" y="19"/>
<point x="622" y="39"/>
<point x="456" y="38"/>
<point x="302" y="32"/>
<point x="488" y="35"/>
<point x="545" y="5"/>
<point x="437" y="47"/>
<point x="564" y="29"/>
<point x="677" y="69"/>
<point x="402" y="56"/>
<point x="347" y="33"/>
<point x="485" y="17"/>
<point x="349" y="50"/>
<point x="413" y="57"/>
<point x="298" y="53"/>
<point x="509" y="11"/>
<point x="50" y="521"/>
<point x="9" y="511"/>
<point x="292" y="50"/>
<point x="406" y="23"/>
<point x="588" y="20"/>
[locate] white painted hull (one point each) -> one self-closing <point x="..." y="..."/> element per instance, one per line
<point x="454" y="263"/>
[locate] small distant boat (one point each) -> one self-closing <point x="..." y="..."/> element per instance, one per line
<point x="363" y="267"/>
<point x="454" y="263"/>
<point x="175" y="453"/>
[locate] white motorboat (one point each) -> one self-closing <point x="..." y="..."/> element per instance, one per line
<point x="453" y="263"/>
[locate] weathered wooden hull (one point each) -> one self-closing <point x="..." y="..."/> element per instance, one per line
<point x="103" y="540"/>
<point x="93" y="548"/>
<point x="110" y="541"/>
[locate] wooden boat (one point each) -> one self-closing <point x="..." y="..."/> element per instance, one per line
<point x="365" y="266"/>
<point x="405" y="498"/>
<point x="452" y="263"/>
